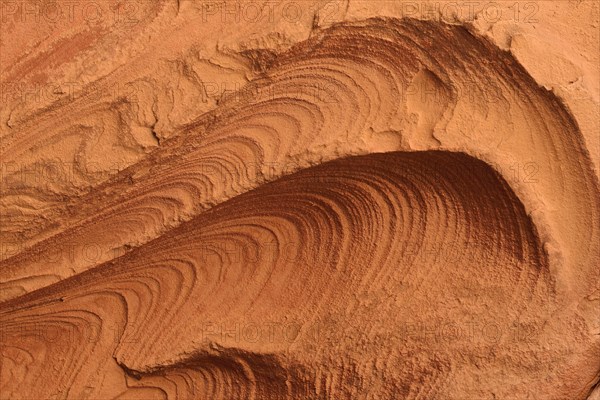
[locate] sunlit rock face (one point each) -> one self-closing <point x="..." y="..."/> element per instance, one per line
<point x="282" y="200"/>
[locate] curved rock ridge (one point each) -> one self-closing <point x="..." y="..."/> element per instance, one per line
<point x="283" y="292"/>
<point x="407" y="87"/>
<point x="392" y="208"/>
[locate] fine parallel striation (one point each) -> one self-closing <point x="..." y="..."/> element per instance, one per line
<point x="271" y="293"/>
<point x="348" y="224"/>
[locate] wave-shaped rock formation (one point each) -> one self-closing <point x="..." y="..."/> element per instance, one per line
<point x="392" y="208"/>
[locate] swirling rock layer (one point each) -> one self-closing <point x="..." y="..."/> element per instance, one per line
<point x="346" y="225"/>
<point x="290" y="289"/>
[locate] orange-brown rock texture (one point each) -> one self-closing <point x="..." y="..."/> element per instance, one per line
<point x="299" y="200"/>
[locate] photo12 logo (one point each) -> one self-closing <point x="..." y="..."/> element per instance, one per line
<point x="126" y="12"/>
<point x="469" y="11"/>
<point x="269" y="11"/>
<point x="38" y="93"/>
